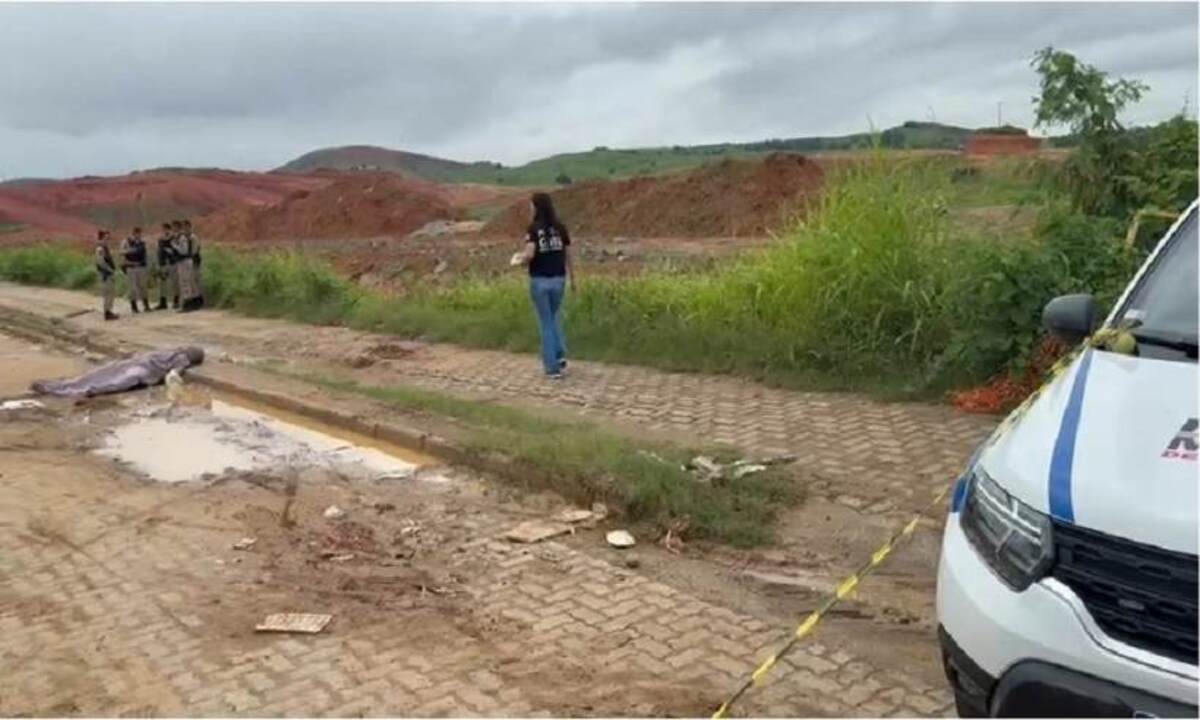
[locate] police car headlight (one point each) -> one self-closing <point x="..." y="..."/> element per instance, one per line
<point x="1013" y="538"/>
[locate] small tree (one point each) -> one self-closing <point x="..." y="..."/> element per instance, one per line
<point x="1084" y="99"/>
<point x="1080" y="96"/>
<point x="563" y="179"/>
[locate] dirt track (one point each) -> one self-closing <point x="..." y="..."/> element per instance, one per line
<point x="885" y="636"/>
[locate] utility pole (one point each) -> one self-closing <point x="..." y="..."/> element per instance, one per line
<point x="1000" y="114"/>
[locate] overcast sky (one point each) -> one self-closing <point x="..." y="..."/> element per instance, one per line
<point x="102" y="89"/>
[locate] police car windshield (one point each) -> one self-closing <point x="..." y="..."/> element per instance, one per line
<point x="1164" y="304"/>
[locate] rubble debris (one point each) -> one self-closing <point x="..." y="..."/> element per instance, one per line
<point x="792" y="577"/>
<point x="21" y="405"/>
<point x="705" y="469"/>
<point x="174" y="383"/>
<point x="142" y="370"/>
<point x="599" y="510"/>
<point x="393" y="350"/>
<point x="620" y="539"/>
<point x="533" y="531"/>
<point x="333" y="512"/>
<point x="245" y="543"/>
<point x="572" y="516"/>
<point x="441" y="228"/>
<point x="308" y="623"/>
<point x="704" y="465"/>
<point x="672" y="541"/>
<point x="179" y="394"/>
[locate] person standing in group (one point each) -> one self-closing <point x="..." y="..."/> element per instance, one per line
<point x="133" y="262"/>
<point x="185" y="269"/>
<point x="194" y="244"/>
<point x="546" y="253"/>
<point x="168" y="279"/>
<point x="108" y="273"/>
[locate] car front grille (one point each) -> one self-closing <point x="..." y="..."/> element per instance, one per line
<point x="1139" y="594"/>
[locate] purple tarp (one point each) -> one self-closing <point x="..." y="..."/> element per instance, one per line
<point x="138" y="371"/>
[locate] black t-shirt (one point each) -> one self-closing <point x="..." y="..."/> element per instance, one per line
<point x="549" y="250"/>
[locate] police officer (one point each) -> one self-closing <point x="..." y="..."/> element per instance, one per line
<point x="194" y="243"/>
<point x="108" y="271"/>
<point x="133" y="262"/>
<point x="185" y="266"/>
<point x="168" y="276"/>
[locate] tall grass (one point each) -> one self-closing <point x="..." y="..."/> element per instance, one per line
<point x="48" y="265"/>
<point x="875" y="288"/>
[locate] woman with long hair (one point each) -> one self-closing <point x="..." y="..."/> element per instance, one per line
<point x="546" y="253"/>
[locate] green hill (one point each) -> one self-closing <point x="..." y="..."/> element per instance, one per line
<point x="369" y="157"/>
<point x="603" y="162"/>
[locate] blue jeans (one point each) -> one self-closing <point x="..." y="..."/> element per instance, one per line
<point x="547" y="295"/>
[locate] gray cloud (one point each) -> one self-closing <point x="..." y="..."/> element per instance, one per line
<point x="108" y="88"/>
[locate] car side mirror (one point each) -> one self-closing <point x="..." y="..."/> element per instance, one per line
<point x="1071" y="317"/>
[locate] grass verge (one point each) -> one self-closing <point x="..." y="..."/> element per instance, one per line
<point x="585" y="462"/>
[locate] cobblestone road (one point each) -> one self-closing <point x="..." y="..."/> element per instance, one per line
<point x="123" y="597"/>
<point x="98" y="604"/>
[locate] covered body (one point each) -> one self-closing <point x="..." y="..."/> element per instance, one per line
<point x="141" y="370"/>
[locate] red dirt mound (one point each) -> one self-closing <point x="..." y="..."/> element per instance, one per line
<point x="17" y="211"/>
<point x="353" y="206"/>
<point x="997" y="144"/>
<point x="76" y="207"/>
<point x="732" y="198"/>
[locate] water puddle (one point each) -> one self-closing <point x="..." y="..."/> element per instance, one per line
<point x="180" y="444"/>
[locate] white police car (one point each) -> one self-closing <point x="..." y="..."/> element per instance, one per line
<point x="1067" y="581"/>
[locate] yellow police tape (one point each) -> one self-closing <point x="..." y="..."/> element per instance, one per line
<point x="844" y="588"/>
<point x="1103" y="338"/>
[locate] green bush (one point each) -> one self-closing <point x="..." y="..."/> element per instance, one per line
<point x="1001" y="287"/>
<point x="279" y="284"/>
<point x="51" y="265"/>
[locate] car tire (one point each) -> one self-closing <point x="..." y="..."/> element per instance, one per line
<point x="966" y="706"/>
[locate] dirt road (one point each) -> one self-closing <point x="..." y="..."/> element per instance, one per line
<point x="671" y="638"/>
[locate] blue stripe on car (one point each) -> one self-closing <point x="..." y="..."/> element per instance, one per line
<point x="1063" y="459"/>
